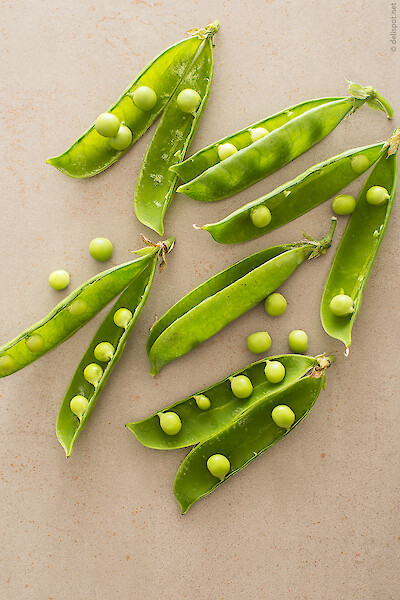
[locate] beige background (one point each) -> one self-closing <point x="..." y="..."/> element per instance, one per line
<point x="317" y="516"/>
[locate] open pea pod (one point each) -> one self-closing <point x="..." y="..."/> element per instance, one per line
<point x="277" y="148"/>
<point x="92" y="152"/>
<point x="156" y="184"/>
<point x="359" y="246"/>
<point x="223" y="298"/>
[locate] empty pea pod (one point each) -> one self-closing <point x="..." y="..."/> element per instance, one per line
<point x="358" y="249"/>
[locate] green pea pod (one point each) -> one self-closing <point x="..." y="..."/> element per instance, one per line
<point x="198" y="425"/>
<point x="273" y="151"/>
<point x="295" y="198"/>
<point x="156" y="184"/>
<point x="133" y="298"/>
<point x="221" y="299"/>
<point x="251" y="433"/>
<point x="359" y="246"/>
<point x="92" y="153"/>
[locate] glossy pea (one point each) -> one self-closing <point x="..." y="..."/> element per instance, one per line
<point x="341" y="305"/>
<point x="241" y="386"/>
<point x="259" y="342"/>
<point x="343" y="204"/>
<point x="219" y="466"/>
<point x="122" y="140"/>
<point x="377" y="195"/>
<point x="275" y="305"/>
<point x="360" y="163"/>
<point x="93" y="373"/>
<point x="260" y="216"/>
<point x="202" y="401"/>
<point x="258" y="133"/>
<point x="122" y="317"/>
<point x="298" y="340"/>
<point x="188" y="100"/>
<point x="59" y="280"/>
<point x="274" y="371"/>
<point x="79" y="405"/>
<point x="283" y="416"/>
<point x="104" y="351"/>
<point x="107" y="124"/>
<point x="144" y="97"/>
<point x="101" y="249"/>
<point x="170" y="423"/>
<point x="226" y="150"/>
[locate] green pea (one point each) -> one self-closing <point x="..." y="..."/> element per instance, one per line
<point x="35" y="343"/>
<point x="298" y="341"/>
<point x="7" y="363"/>
<point x="101" y="249"/>
<point x="260" y="216"/>
<point x="359" y="163"/>
<point x="104" y="351"/>
<point x="259" y="342"/>
<point x="219" y="466"/>
<point x="275" y="305"/>
<point x="78" y="405"/>
<point x="59" y="280"/>
<point x="241" y="386"/>
<point x="93" y="373"/>
<point x="202" y="401"/>
<point x="377" y="195"/>
<point x="122" y="139"/>
<point x="107" y="125"/>
<point x="341" y="305"/>
<point x="344" y="204"/>
<point x="144" y="97"/>
<point x="274" y="371"/>
<point x="122" y="317"/>
<point x="78" y="307"/>
<point x="283" y="416"/>
<point x="188" y="100"/>
<point x="226" y="150"/>
<point x="170" y="423"/>
<point x="258" y="133"/>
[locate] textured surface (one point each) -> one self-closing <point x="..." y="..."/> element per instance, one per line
<point x="317" y="515"/>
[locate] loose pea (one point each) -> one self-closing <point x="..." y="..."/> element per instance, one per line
<point x="93" y="373"/>
<point x="377" y="195"/>
<point x="344" y="204"/>
<point x="202" y="402"/>
<point x="78" y="405"/>
<point x="274" y="371"/>
<point x="107" y="125"/>
<point x="59" y="280"/>
<point x="144" y="97"/>
<point x="188" y="100"/>
<point x="259" y="342"/>
<point x="101" y="249"/>
<point x="104" y="351"/>
<point x="260" y="216"/>
<point x="359" y="163"/>
<point x="170" y="423"/>
<point x="35" y="343"/>
<point x="219" y="466"/>
<point x="283" y="416"/>
<point x="298" y="341"/>
<point x="7" y="363"/>
<point x="275" y="305"/>
<point x="226" y="150"/>
<point x="241" y="386"/>
<point x="78" y="307"/>
<point x="341" y="305"/>
<point x="122" y="139"/>
<point x="122" y="317"/>
<point x="258" y="133"/>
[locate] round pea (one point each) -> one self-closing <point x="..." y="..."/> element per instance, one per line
<point x="202" y="402"/>
<point x="122" y="139"/>
<point x="122" y="317"/>
<point x="258" y="133"/>
<point x="298" y="341"/>
<point x="344" y="204"/>
<point x="188" y="100"/>
<point x="275" y="305"/>
<point x="101" y="249"/>
<point x="78" y="307"/>
<point x="241" y="386"/>
<point x="7" y="363"/>
<point x="283" y="416"/>
<point x="259" y="342"/>
<point x="359" y="163"/>
<point x="341" y="305"/>
<point x="144" y="97"/>
<point x="93" y="373"/>
<point x="260" y="216"/>
<point x="78" y="405"/>
<point x="226" y="150"/>
<point x="219" y="466"/>
<point x="104" y="351"/>
<point x="377" y="195"/>
<point x="274" y="371"/>
<point x="170" y="423"/>
<point x="59" y="280"/>
<point x="35" y="343"/>
<point x="107" y="125"/>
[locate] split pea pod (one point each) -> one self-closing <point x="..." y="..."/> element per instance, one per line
<point x="103" y="353"/>
<point x="223" y="298"/>
<point x="359" y="246"/>
<point x="156" y="184"/>
<point x="279" y="147"/>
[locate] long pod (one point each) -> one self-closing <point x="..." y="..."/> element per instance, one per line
<point x="278" y="148"/>
<point x="156" y="184"/>
<point x="295" y="198"/>
<point x="221" y="299"/>
<point x="133" y="299"/>
<point x="359" y="246"/>
<point x="92" y="153"/>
